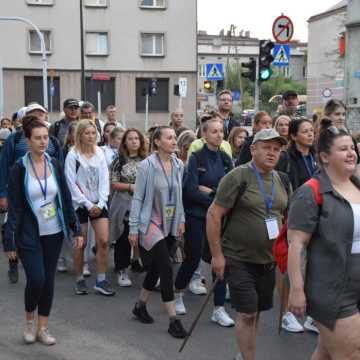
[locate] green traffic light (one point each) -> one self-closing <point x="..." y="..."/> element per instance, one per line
<point x="265" y="74"/>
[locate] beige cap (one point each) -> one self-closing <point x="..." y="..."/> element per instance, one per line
<point x="269" y="134"/>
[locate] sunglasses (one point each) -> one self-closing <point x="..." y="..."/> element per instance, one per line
<point x="337" y="130"/>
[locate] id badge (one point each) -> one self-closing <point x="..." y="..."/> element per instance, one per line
<point x="48" y="211"/>
<point x="169" y="212"/>
<point x="272" y="228"/>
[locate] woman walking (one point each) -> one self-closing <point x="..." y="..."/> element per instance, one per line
<point x="156" y="219"/>
<point x="88" y="180"/>
<point x="122" y="178"/>
<point x="40" y="215"/>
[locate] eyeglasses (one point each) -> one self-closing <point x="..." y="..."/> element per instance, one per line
<point x="337" y="130"/>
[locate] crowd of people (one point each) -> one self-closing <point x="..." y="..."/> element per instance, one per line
<point x="219" y="195"/>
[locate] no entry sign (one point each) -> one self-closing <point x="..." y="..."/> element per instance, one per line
<point x="283" y="29"/>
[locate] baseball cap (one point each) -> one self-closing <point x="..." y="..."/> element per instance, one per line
<point x="21" y="112"/>
<point x="71" y="102"/>
<point x="34" y="107"/>
<point x="288" y="94"/>
<point x="4" y="133"/>
<point x="268" y="134"/>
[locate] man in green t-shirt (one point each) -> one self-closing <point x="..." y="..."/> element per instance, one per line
<point x="251" y="200"/>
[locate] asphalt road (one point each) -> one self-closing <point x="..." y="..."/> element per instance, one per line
<point x="97" y="328"/>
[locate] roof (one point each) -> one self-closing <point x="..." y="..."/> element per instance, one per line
<point x="338" y="7"/>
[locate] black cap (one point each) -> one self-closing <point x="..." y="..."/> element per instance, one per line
<point x="71" y="103"/>
<point x="288" y="94"/>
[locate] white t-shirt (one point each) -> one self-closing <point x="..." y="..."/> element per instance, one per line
<point x="356" y="240"/>
<point x="46" y="226"/>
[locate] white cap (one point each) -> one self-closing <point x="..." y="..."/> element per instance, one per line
<point x="34" y="107"/>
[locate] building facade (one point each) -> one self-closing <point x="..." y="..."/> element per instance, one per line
<point x="326" y="57"/>
<point x="125" y="43"/>
<point x="223" y="49"/>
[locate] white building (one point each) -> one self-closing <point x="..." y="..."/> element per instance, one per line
<point x="126" y="43"/>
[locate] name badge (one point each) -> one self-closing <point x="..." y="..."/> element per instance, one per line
<point x="48" y="211"/>
<point x="272" y="228"/>
<point x="169" y="212"/>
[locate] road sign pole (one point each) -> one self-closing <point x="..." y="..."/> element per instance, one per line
<point x="146" y="112"/>
<point x="257" y="87"/>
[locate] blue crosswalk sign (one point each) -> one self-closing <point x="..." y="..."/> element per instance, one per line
<point x="214" y="71"/>
<point x="281" y="54"/>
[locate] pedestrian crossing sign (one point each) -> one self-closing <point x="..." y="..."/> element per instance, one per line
<point x="215" y="71"/>
<point x="281" y="54"/>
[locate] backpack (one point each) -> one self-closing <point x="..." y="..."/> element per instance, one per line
<point x="280" y="247"/>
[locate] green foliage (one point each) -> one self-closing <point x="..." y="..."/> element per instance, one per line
<point x="233" y="76"/>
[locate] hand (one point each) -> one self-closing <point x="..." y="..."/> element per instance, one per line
<point x="133" y="240"/>
<point x="181" y="229"/>
<point x="297" y="302"/>
<point x="78" y="242"/>
<point x="94" y="211"/>
<point x="11" y="255"/>
<point x="3" y="203"/>
<point x="205" y="189"/>
<point x="218" y="266"/>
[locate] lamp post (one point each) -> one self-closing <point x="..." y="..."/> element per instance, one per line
<point x="43" y="58"/>
<point x="83" y="88"/>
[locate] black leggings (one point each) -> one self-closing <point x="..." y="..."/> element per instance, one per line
<point x="157" y="263"/>
<point x="122" y="250"/>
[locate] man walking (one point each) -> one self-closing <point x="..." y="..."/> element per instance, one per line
<point x="252" y="198"/>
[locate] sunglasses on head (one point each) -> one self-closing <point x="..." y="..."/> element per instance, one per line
<point x="337" y="130"/>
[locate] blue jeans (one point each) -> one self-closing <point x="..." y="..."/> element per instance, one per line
<point x="40" y="268"/>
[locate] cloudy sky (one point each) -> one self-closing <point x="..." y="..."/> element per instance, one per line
<point x="257" y="16"/>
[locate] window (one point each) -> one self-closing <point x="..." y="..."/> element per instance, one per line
<point x="158" y="103"/>
<point x="96" y="3"/>
<point x="97" y="44"/>
<point x="40" y="2"/>
<point x="153" y="4"/>
<point x="34" y="91"/>
<point x="107" y="91"/>
<point x="34" y="42"/>
<point x="152" y="44"/>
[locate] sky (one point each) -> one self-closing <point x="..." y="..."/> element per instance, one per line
<point x="257" y="16"/>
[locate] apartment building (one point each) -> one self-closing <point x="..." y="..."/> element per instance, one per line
<point x="126" y="42"/>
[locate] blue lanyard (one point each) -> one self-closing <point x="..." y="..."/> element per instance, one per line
<point x="312" y="170"/>
<point x="268" y="200"/>
<point x="43" y="189"/>
<point x="170" y="184"/>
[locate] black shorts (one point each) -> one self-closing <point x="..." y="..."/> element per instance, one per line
<point x="84" y="217"/>
<point x="251" y="286"/>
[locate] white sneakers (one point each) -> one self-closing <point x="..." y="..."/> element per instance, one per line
<point x="197" y="287"/>
<point x="290" y="323"/>
<point x="309" y="325"/>
<point x="42" y="336"/>
<point x="29" y="332"/>
<point x="61" y="265"/>
<point x="86" y="270"/>
<point x="179" y="304"/>
<point x="45" y="337"/>
<point x="221" y="317"/>
<point x="123" y="279"/>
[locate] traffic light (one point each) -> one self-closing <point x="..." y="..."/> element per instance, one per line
<point x="153" y="87"/>
<point x="251" y="66"/>
<point x="208" y="87"/>
<point x="265" y="59"/>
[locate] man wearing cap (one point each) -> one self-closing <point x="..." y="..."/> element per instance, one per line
<point x="290" y="102"/>
<point x="72" y="112"/>
<point x="251" y="200"/>
<point x="15" y="147"/>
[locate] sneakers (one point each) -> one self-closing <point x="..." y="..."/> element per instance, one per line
<point x="45" y="337"/>
<point x="81" y="288"/>
<point x="221" y="317"/>
<point x="142" y="315"/>
<point x="61" y="265"/>
<point x="104" y="288"/>
<point x="13" y="272"/>
<point x="86" y="270"/>
<point x="179" y="304"/>
<point x="291" y="324"/>
<point x="310" y="325"/>
<point x="29" y="332"/>
<point x="123" y="279"/>
<point x="176" y="329"/>
<point x="197" y="287"/>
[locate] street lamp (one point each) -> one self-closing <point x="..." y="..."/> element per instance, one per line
<point x="43" y="59"/>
